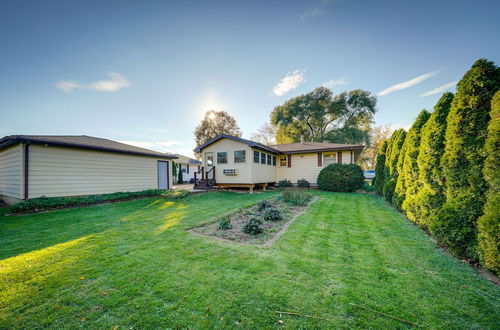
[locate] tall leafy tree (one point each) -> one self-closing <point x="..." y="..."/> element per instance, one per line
<point x="408" y="183"/>
<point x="215" y="123"/>
<point x="456" y="223"/>
<point x="266" y="134"/>
<point x="319" y="116"/>
<point x="489" y="223"/>
<point x="422" y="206"/>
<point x="392" y="156"/>
<point x="378" y="135"/>
<point x="379" y="180"/>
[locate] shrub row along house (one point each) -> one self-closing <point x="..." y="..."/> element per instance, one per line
<point x="229" y="161"/>
<point x="54" y="166"/>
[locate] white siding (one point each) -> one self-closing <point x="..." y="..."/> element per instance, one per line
<point x="262" y="173"/>
<point x="304" y="166"/>
<point x="11" y="171"/>
<point x="58" y="171"/>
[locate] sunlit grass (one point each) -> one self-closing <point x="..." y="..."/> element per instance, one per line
<point x="134" y="264"/>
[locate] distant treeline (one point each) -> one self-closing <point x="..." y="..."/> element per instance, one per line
<point x="444" y="173"/>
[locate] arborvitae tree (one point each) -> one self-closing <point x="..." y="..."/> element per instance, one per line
<point x="391" y="160"/>
<point x="180" y="179"/>
<point x="423" y="206"/>
<point x="379" y="180"/>
<point x="407" y="164"/>
<point x="489" y="223"/>
<point x="456" y="223"/>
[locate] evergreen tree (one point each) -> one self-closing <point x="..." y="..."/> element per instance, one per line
<point x="422" y="206"/>
<point x="456" y="222"/>
<point x="379" y="180"/>
<point x="408" y="183"/>
<point x="392" y="155"/>
<point x="489" y="223"/>
<point x="180" y="179"/>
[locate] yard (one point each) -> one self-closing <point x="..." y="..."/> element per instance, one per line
<point x="134" y="264"/>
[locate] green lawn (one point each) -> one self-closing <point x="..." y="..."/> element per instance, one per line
<point x="133" y="264"/>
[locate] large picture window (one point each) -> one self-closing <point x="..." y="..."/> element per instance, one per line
<point x="329" y="159"/>
<point x="256" y="157"/>
<point x="240" y="156"/>
<point x="222" y="157"/>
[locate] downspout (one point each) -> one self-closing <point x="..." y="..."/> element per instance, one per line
<point x="26" y="170"/>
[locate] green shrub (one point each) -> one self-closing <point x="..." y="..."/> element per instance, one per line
<point x="463" y="160"/>
<point x="391" y="160"/>
<point x="379" y="180"/>
<point x="297" y="197"/>
<point x="341" y="177"/>
<point x="48" y="203"/>
<point x="253" y="226"/>
<point x="388" y="189"/>
<point x="264" y="204"/>
<point x="180" y="179"/>
<point x="303" y="183"/>
<point x="285" y="184"/>
<point x="273" y="214"/>
<point x="430" y="197"/>
<point x="368" y="187"/>
<point x="489" y="223"/>
<point x="225" y="223"/>
<point x="408" y="183"/>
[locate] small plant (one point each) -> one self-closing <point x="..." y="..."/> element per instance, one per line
<point x="262" y="205"/>
<point x="296" y="197"/>
<point x="303" y="183"/>
<point x="225" y="223"/>
<point x="285" y="184"/>
<point x="273" y="214"/>
<point x="253" y="226"/>
<point x="368" y="187"/>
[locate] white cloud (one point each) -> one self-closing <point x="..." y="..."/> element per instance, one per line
<point x="440" y="88"/>
<point x="335" y="82"/>
<point x="115" y="82"/>
<point x="290" y="82"/>
<point x="315" y="11"/>
<point x="406" y="84"/>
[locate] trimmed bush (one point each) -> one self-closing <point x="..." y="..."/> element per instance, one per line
<point x="50" y="203"/>
<point x="430" y="197"/>
<point x="303" y="183"/>
<point x="225" y="223"/>
<point x="273" y="214"/>
<point x="341" y="178"/>
<point x="463" y="160"/>
<point x="253" y="226"/>
<point x="379" y="180"/>
<point x="391" y="160"/>
<point x="408" y="183"/>
<point x="489" y="223"/>
<point x="285" y="184"/>
<point x="264" y="204"/>
<point x="296" y="197"/>
<point x="180" y="179"/>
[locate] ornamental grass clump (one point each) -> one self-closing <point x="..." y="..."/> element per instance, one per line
<point x="296" y="197"/>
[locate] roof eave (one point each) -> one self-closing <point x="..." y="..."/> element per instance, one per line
<point x="322" y="150"/>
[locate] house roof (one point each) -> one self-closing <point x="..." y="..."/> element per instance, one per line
<point x="295" y="148"/>
<point x="187" y="160"/>
<point x="250" y="143"/>
<point x="289" y="148"/>
<point x="84" y="142"/>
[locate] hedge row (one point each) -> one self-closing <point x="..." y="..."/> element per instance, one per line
<point x="443" y="174"/>
<point x="51" y="203"/>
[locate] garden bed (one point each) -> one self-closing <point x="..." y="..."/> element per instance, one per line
<point x="232" y="227"/>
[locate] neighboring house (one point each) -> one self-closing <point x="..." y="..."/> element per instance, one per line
<point x="244" y="163"/>
<point x="42" y="165"/>
<point x="188" y="166"/>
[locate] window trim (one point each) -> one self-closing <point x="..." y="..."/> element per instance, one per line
<point x="261" y="158"/>
<point x="256" y="153"/>
<point x="221" y="152"/>
<point x="244" y="156"/>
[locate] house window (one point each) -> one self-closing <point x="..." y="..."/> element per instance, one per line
<point x="283" y="161"/>
<point x="187" y="169"/>
<point x="222" y="157"/>
<point x="240" y="156"/>
<point x="262" y="158"/>
<point x="329" y="159"/>
<point x="269" y="160"/>
<point x="256" y="157"/>
<point x="183" y="170"/>
<point x="274" y="160"/>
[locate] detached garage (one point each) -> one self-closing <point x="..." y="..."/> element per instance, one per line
<point x="54" y="166"/>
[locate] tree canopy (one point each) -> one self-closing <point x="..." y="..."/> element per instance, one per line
<point x="319" y="116"/>
<point x="215" y="123"/>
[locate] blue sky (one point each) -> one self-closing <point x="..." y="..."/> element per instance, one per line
<point x="146" y="71"/>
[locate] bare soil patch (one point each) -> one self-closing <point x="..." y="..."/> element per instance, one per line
<point x="272" y="229"/>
